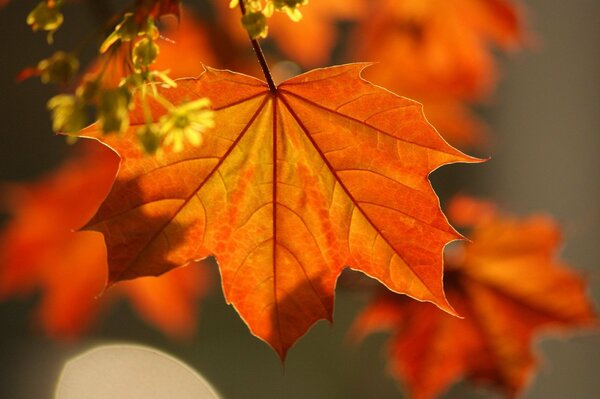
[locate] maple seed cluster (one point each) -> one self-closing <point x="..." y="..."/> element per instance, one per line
<point x="133" y="45"/>
<point x="46" y="16"/>
<point x="257" y="12"/>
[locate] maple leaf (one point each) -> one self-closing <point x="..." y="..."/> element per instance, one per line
<point x="439" y="46"/>
<point x="169" y="303"/>
<point x="444" y="50"/>
<point x="288" y="189"/>
<point x="38" y="250"/>
<point x="509" y="287"/>
<point x="44" y="214"/>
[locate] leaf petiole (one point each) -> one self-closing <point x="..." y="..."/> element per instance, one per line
<point x="260" y="56"/>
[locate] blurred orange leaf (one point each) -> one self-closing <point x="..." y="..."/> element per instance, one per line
<point x="440" y="53"/>
<point x="44" y="213"/>
<point x="157" y="8"/>
<point x="287" y="190"/>
<point x="311" y="40"/>
<point x="39" y="250"/>
<point x="438" y="46"/>
<point x="508" y="285"/>
<point x="184" y="46"/>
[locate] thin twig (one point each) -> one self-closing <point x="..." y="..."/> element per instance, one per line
<point x="260" y="55"/>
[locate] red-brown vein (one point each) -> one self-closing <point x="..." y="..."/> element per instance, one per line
<point x="347" y="191"/>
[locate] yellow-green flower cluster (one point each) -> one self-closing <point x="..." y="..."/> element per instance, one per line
<point x="186" y="122"/>
<point x="257" y="12"/>
<point x="68" y="113"/>
<point x="125" y="31"/>
<point x="59" y="68"/>
<point x="113" y="109"/>
<point x="46" y="16"/>
<point x="182" y="124"/>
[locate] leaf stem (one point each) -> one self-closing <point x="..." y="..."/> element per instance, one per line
<point x="260" y="56"/>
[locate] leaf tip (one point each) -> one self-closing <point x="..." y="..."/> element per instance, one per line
<point x="445" y="306"/>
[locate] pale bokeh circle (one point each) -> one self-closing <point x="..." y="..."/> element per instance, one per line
<point x="130" y="372"/>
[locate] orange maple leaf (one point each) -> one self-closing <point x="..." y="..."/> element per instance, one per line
<point x="38" y="250"/>
<point x="44" y="214"/>
<point x="438" y="46"/>
<point x="440" y="53"/>
<point x="509" y="287"/>
<point x="288" y="189"/>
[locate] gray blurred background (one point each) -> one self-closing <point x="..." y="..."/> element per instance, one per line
<point x="546" y="127"/>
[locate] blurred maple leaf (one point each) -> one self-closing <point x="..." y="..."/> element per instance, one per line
<point x="39" y="250"/>
<point x="509" y="287"/>
<point x="184" y="45"/>
<point x="45" y="213"/>
<point x="157" y="8"/>
<point x="440" y="53"/>
<point x="350" y="161"/>
<point x="438" y="46"/>
<point x="311" y="40"/>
